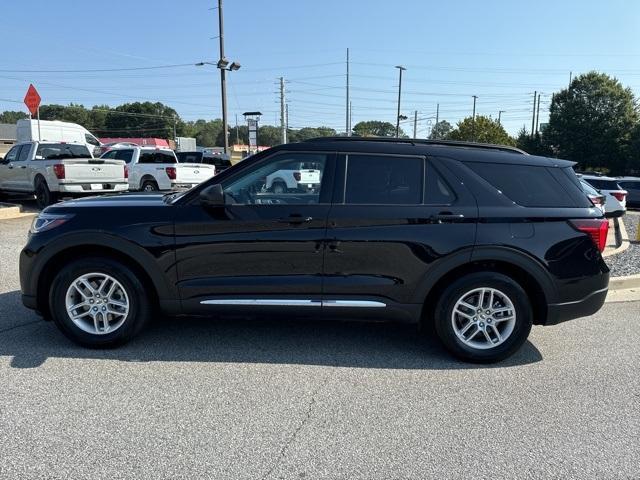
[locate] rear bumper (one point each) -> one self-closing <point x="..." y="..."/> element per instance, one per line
<point x="85" y="188"/>
<point x="561" y="312"/>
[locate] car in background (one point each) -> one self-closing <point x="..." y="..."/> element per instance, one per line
<point x="155" y="168"/>
<point x="300" y="178"/>
<point x="221" y="162"/>
<point x="105" y="147"/>
<point x="31" y="130"/>
<point x="597" y="198"/>
<point x="616" y="196"/>
<point x="632" y="186"/>
<point x="51" y="170"/>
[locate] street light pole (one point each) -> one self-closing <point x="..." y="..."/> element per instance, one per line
<point x="401" y="69"/>
<point x="223" y="81"/>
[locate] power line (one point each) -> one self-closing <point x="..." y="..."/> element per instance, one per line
<point x="155" y="67"/>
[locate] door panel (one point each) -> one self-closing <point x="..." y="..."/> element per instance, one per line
<point x="9" y="169"/>
<point x="258" y="246"/>
<point x="384" y="252"/>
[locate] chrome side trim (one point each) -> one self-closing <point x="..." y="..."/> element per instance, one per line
<point x="581" y="300"/>
<point x="353" y="303"/>
<point x="264" y="302"/>
<point x="295" y="303"/>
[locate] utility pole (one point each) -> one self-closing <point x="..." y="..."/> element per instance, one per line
<point x="350" y="116"/>
<point x="175" y="136"/>
<point x="570" y="78"/>
<point x="415" y="124"/>
<point x="283" y="127"/>
<point x="223" y="81"/>
<point x="237" y="132"/>
<point x="437" y="120"/>
<point x="401" y="69"/>
<point x="538" y="114"/>
<point x="347" y="125"/>
<point x="473" y="121"/>
<point x="533" y="118"/>
<point x="286" y="118"/>
<point x="500" y="112"/>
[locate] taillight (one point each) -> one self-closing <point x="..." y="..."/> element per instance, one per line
<point x="58" y="170"/>
<point x="296" y="175"/>
<point x="620" y="196"/>
<point x="126" y="171"/>
<point x="596" y="228"/>
<point x="171" y="172"/>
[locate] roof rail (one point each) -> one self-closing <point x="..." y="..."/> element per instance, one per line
<point x="414" y="141"/>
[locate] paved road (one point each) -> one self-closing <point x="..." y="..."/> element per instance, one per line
<point x="296" y="400"/>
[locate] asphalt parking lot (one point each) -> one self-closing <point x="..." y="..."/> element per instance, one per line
<point x="205" y="398"/>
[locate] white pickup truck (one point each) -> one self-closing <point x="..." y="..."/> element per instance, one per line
<point x="53" y="169"/>
<point x="152" y="168"/>
<point x="294" y="180"/>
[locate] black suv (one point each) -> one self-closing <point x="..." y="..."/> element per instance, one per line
<point x="478" y="241"/>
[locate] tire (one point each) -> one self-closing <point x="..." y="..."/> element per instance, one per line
<point x="99" y="332"/>
<point x="44" y="197"/>
<point x="278" y="188"/>
<point x="510" y="317"/>
<point x="149" y="186"/>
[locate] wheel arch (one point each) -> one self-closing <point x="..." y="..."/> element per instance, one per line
<point x="136" y="258"/>
<point x="523" y="269"/>
<point x="147" y="177"/>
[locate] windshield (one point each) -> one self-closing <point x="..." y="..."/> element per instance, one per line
<point x="60" y="151"/>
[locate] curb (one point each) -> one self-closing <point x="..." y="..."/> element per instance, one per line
<point x="623" y="283"/>
<point x="624" y="239"/>
<point x="9" y="211"/>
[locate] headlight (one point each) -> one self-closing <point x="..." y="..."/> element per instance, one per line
<point x="47" y="221"/>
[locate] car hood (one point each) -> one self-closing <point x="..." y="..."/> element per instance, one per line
<point x="118" y="200"/>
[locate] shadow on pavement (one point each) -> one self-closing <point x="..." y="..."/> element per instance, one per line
<point x="299" y="342"/>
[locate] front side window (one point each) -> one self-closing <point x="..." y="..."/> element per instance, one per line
<point x="110" y="154"/>
<point x="157" y="156"/>
<point x="12" y="154"/>
<point x="91" y="140"/>
<point x="384" y="180"/>
<point x="24" y="153"/>
<point x="288" y="178"/>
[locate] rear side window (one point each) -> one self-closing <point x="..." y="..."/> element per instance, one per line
<point x="157" y="156"/>
<point x="603" y="184"/>
<point x="630" y="185"/>
<point x="125" y="155"/>
<point x="437" y="190"/>
<point x="527" y="185"/>
<point x="384" y="180"/>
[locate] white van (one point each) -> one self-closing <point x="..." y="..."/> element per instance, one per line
<point x="56" y="131"/>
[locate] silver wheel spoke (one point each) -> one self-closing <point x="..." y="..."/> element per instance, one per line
<point x="488" y="323"/>
<point x="94" y="309"/>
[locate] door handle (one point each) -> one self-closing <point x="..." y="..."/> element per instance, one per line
<point x="10" y="167"/>
<point x="23" y="166"/>
<point x="447" y="217"/>
<point x="295" y="219"/>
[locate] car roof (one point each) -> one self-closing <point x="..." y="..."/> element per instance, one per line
<point x="462" y="151"/>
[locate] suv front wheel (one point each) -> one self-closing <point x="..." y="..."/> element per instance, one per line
<point x="483" y="317"/>
<point x="98" y="302"/>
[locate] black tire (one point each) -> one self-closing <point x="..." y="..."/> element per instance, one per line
<point x="44" y="197"/>
<point x="279" y="188"/>
<point x="444" y="321"/>
<point x="138" y="299"/>
<point x="149" y="186"/>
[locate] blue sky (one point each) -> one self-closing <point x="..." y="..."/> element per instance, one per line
<point x="500" y="51"/>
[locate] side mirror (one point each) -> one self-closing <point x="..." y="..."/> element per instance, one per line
<point x="212" y="196"/>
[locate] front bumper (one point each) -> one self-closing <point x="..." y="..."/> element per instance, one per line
<point x="561" y="312"/>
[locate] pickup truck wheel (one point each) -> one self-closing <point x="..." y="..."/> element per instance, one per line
<point x="44" y="197"/>
<point x="98" y="302"/>
<point x="483" y="317"/>
<point x="149" y="186"/>
<point x="278" y="188"/>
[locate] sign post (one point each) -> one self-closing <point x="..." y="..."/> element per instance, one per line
<point x="32" y="101"/>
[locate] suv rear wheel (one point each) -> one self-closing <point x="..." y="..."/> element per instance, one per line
<point x="483" y="317"/>
<point x="99" y="302"/>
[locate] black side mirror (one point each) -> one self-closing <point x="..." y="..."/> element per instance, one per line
<point x="212" y="196"/>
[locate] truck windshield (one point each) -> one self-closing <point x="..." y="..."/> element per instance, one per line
<point x="60" y="151"/>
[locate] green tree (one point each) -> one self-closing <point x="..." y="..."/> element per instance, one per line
<point x="269" y="135"/>
<point x="534" y="145"/>
<point x="591" y="122"/>
<point x="376" y="128"/>
<point x="441" y="130"/>
<point x="482" y="130"/>
<point x="10" y="116"/>
<point x="309" y="132"/>
<point x="206" y="133"/>
<point x="140" y="119"/>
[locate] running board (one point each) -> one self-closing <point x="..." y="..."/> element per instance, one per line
<point x="295" y="303"/>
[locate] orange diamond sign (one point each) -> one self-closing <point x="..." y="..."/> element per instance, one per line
<point x="32" y="99"/>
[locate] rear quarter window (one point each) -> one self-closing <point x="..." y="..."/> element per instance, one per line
<point x="532" y="186"/>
